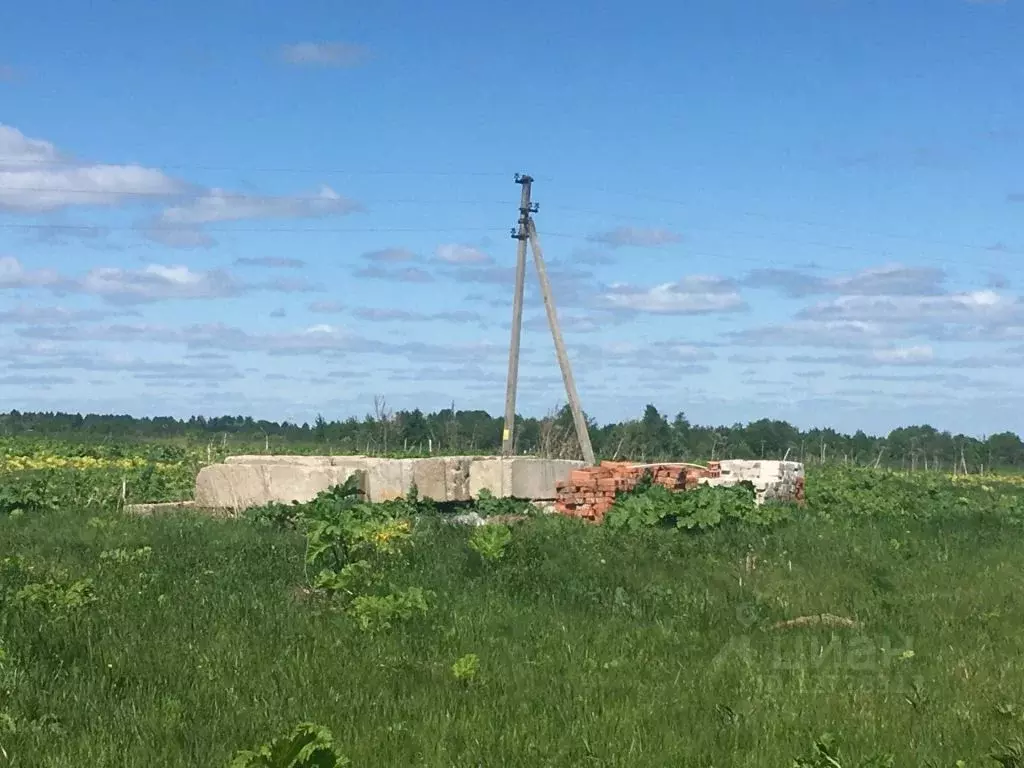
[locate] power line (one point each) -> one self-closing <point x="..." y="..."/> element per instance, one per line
<point x="220" y="194"/>
<point x="790" y="220"/>
<point x="704" y="254"/>
<point x="724" y="259"/>
<point x="329" y="230"/>
<point x="17" y="163"/>
<point x="120" y="194"/>
<point x="792" y="240"/>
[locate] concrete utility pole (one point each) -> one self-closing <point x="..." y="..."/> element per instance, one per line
<point x="512" y="382"/>
<point x="527" y="231"/>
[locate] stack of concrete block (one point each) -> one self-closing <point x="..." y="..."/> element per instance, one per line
<point x="772" y="480"/>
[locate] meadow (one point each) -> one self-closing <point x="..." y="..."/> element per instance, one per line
<point x="878" y="625"/>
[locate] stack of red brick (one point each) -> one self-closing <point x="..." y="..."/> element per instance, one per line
<point x="590" y="492"/>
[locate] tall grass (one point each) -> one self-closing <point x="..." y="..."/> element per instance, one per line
<point x="595" y="647"/>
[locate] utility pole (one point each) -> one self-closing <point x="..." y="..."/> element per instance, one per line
<point x="527" y="231"/>
<point x="512" y="382"/>
<point x="582" y="434"/>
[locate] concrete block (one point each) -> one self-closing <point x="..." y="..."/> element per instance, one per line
<point x="490" y="473"/>
<point x="387" y="479"/>
<point x="429" y="476"/>
<point x="239" y="486"/>
<point x="533" y="478"/>
<point x="456" y="478"/>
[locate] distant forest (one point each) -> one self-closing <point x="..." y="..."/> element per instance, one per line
<point x="652" y="437"/>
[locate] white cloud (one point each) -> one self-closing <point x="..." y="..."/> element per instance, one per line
<point x="981" y="306"/>
<point x="635" y="236"/>
<point x="181" y="225"/>
<point x="14" y="275"/>
<point x="375" y="315"/>
<point x="336" y="54"/>
<point x="401" y="275"/>
<point x="156" y="282"/>
<point x="808" y="333"/>
<point x="390" y="256"/>
<point x="591" y="256"/>
<point x="454" y="253"/>
<point x="319" y="339"/>
<point x="221" y="205"/>
<point x="36" y="178"/>
<point x="34" y="381"/>
<point x="689" y="296"/>
<point x="904" y="355"/>
<point x="53" y="315"/>
<point x="888" y="280"/>
<point x="271" y="262"/>
<point x="644" y="355"/>
<point x="326" y="307"/>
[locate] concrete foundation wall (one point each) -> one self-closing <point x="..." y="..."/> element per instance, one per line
<point x="247" y="481"/>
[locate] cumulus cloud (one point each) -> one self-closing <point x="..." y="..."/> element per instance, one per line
<point x="390" y="256"/>
<point x="34" y="381"/>
<point x="922" y="355"/>
<point x="285" y="285"/>
<point x="918" y="355"/>
<point x="54" y="315"/>
<point x="574" y="322"/>
<point x="664" y="354"/>
<point x="402" y="275"/>
<point x="893" y="302"/>
<point x="155" y="282"/>
<point x="220" y="205"/>
<point x="46" y="358"/>
<point x="36" y="178"/>
<point x="591" y="256"/>
<point x="876" y="281"/>
<point x="14" y="275"/>
<point x="689" y="296"/>
<point x="454" y="253"/>
<point x="272" y="262"/>
<point x="484" y="274"/>
<point x="182" y="225"/>
<point x="635" y="236"/>
<point x="972" y="307"/>
<point x="319" y="339"/>
<point x="375" y="315"/>
<point x="324" y="54"/>
<point x="326" y="307"/>
<point x="805" y="333"/>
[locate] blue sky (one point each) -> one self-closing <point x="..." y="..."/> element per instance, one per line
<point x="804" y="209"/>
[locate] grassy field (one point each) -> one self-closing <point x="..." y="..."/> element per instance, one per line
<point x="178" y="641"/>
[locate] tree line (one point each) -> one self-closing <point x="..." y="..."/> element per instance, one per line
<point x="652" y="437"/>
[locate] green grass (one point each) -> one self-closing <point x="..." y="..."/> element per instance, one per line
<point x="595" y="647"/>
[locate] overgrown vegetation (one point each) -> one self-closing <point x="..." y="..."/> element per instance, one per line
<point x="876" y="626"/>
